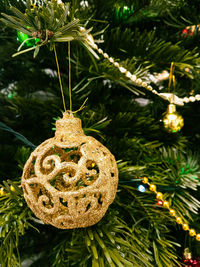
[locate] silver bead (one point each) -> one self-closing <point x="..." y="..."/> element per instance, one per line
<point x="144" y="84"/>
<point x="111" y="60"/>
<point x="122" y="69"/>
<point x="149" y="87"/>
<point x="116" y="64"/>
<point x="186" y="99"/>
<point x="128" y="74"/>
<point x="95" y="46"/>
<point x="197" y="97"/>
<point x="192" y="98"/>
<point x="154" y="92"/>
<point x="138" y="81"/>
<point x="133" y="78"/>
<point x="100" y="51"/>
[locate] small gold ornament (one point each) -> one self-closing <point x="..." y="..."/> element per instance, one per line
<point x="173" y="122"/>
<point x="70" y="180"/>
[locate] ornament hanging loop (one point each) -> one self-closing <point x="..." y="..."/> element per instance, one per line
<point x="70" y="84"/>
<point x="59" y="77"/>
<point x="172" y="81"/>
<point x="171" y="75"/>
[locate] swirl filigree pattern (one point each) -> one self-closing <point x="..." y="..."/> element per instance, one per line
<point x="70" y="180"/>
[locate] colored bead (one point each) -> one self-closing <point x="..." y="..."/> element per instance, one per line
<point x="172" y="212"/>
<point x="159" y="203"/>
<point x="145" y="180"/>
<point x="192" y="232"/>
<point x="166" y="204"/>
<point x="152" y="187"/>
<point x="185" y="227"/>
<point x="141" y="188"/>
<point x="159" y="195"/>
<point x="198" y="237"/>
<point x="179" y="220"/>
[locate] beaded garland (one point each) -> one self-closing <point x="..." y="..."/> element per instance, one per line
<point x="172" y="212"/>
<point x="170" y="97"/>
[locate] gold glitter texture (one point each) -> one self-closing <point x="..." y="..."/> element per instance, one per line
<point x="70" y="180"/>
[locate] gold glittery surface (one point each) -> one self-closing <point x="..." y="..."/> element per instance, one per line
<point x="70" y="180"/>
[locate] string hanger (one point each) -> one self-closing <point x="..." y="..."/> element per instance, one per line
<point x="60" y="80"/>
<point x="70" y="86"/>
<point x="172" y="82"/>
<point x="171" y="76"/>
<point x="59" y="77"/>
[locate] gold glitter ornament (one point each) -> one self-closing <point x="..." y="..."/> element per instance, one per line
<point x="173" y="122"/>
<point x="70" y="180"/>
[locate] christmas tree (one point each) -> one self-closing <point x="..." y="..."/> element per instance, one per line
<point x="124" y="67"/>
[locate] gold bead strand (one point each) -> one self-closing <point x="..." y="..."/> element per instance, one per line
<point x="172" y="212"/>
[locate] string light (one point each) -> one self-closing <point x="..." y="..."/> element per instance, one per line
<point x="141" y="188"/>
<point x="172" y="212"/>
<point x="3" y="193"/>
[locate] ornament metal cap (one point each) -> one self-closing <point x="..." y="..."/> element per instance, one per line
<point x="171" y="108"/>
<point x="187" y="254"/>
<point x="68" y="125"/>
